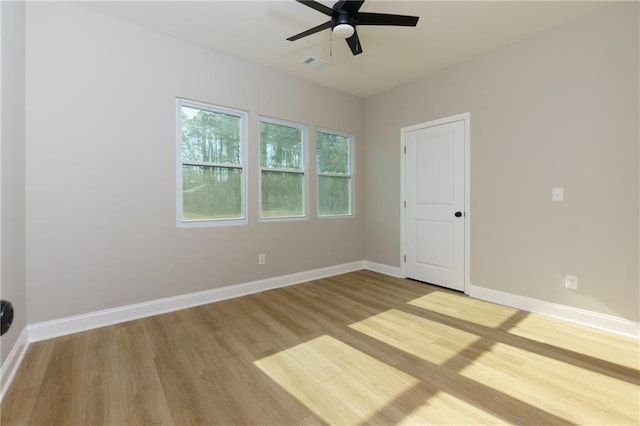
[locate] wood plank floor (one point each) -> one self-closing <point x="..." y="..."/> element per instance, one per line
<point x="355" y="349"/>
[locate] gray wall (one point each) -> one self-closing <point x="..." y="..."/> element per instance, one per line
<point x="100" y="167"/>
<point x="560" y="109"/>
<point x="12" y="251"/>
<point x="557" y="110"/>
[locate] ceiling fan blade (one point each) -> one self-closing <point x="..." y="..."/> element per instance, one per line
<point x="311" y="31"/>
<point x="317" y="6"/>
<point x="354" y="44"/>
<point x="349" y="6"/>
<point x="364" y="18"/>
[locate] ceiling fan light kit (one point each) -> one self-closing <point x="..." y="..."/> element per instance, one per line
<point x="345" y="17"/>
<point x="343" y="31"/>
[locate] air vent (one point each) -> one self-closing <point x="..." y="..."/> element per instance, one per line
<point x="315" y="63"/>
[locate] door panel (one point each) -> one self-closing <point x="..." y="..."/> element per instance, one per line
<point x="433" y="243"/>
<point x="433" y="164"/>
<point x="434" y="192"/>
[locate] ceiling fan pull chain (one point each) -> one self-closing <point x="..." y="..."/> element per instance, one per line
<point x="331" y="44"/>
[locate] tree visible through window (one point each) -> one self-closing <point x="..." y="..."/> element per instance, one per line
<point x="282" y="169"/>
<point x="212" y="144"/>
<point x="333" y="162"/>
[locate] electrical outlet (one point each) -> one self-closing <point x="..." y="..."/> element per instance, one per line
<point x="262" y="259"/>
<point x="571" y="282"/>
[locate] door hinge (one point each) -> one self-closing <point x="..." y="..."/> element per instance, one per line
<point x="405" y="258"/>
<point x="405" y="149"/>
<point x="405" y="204"/>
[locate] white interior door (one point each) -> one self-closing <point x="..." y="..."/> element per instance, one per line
<point x="434" y="213"/>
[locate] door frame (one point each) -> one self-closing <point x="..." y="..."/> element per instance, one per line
<point x="466" y="118"/>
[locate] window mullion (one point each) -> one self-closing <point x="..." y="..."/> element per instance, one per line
<point x="208" y="164"/>
<point x="274" y="170"/>
<point x="340" y="175"/>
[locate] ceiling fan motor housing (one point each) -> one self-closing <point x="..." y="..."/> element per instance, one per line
<point x="342" y="17"/>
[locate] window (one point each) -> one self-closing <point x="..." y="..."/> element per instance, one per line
<point x="211" y="157"/>
<point x="282" y="169"/>
<point x="334" y="165"/>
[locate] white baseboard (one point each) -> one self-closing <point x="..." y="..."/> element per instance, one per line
<point x="77" y="323"/>
<point x="382" y="268"/>
<point x="609" y="323"/>
<point x="10" y="366"/>
<point x="592" y="319"/>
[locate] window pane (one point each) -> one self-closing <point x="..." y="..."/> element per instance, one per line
<point x="281" y="146"/>
<point x="210" y="136"/>
<point x="334" y="195"/>
<point x="282" y="194"/>
<point x="211" y="193"/>
<point x="332" y="153"/>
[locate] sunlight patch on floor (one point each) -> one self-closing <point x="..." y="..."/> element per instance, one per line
<point x="445" y="409"/>
<point x="337" y="382"/>
<point x="574" y="337"/>
<point x="465" y="308"/>
<point x="426" y="339"/>
<point x="556" y="387"/>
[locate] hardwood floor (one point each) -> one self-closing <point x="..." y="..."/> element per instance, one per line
<point x="355" y="349"/>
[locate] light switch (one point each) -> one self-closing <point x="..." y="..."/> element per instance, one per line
<point x="557" y="194"/>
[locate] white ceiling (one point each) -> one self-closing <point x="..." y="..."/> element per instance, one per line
<point x="448" y="32"/>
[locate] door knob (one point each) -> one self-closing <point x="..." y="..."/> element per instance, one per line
<point x="458" y="214"/>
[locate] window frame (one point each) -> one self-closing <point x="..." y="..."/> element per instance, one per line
<point x="350" y="175"/>
<point x="244" y="118"/>
<point x="304" y="172"/>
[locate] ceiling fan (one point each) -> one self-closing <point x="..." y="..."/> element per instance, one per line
<point x="345" y="17"/>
